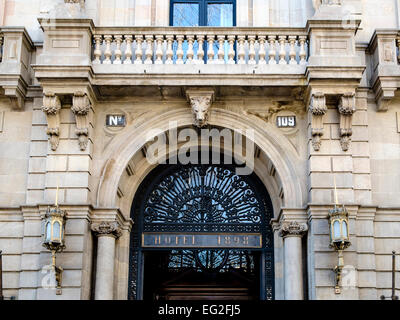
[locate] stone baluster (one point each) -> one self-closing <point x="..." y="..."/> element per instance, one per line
<point x="292" y="232"/>
<point x="302" y="52"/>
<point x="97" y="50"/>
<point x="107" y="51"/>
<point x="128" y="50"/>
<point x="241" y="50"/>
<point x="221" y="50"/>
<point x="139" y="50"/>
<point x="159" y="49"/>
<point x="200" y="51"/>
<point x="107" y="233"/>
<point x="179" y="50"/>
<point x="169" y="53"/>
<point x="149" y="50"/>
<point x="118" y="52"/>
<point x="231" y="52"/>
<point x="210" y="51"/>
<point x="282" y="51"/>
<point x="292" y="52"/>
<point x="261" y="53"/>
<point x="190" y="52"/>
<point x="252" y="51"/>
<point x="272" y="49"/>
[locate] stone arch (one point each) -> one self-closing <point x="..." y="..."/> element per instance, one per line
<point x="267" y="138"/>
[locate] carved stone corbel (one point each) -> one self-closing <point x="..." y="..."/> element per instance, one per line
<point x="293" y="228"/>
<point x="51" y="107"/>
<point x="106" y="228"/>
<point x="347" y="107"/>
<point x="200" y="102"/>
<point x="80" y="108"/>
<point x="318" y="109"/>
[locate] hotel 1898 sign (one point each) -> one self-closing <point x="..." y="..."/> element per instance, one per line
<point x="201" y="230"/>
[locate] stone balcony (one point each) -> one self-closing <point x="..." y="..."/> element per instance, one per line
<point x="384" y="77"/>
<point x="16" y="49"/>
<point x="202" y="56"/>
<point x="106" y="58"/>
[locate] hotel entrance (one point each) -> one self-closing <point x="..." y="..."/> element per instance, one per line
<point x="202" y="275"/>
<point x="201" y="232"/>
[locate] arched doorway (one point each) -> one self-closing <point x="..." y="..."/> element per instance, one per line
<point x="201" y="232"/>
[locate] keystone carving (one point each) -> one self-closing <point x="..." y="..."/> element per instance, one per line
<point x="200" y="102"/>
<point x="293" y="228"/>
<point x="318" y="109"/>
<point x="80" y="108"/>
<point x="347" y="107"/>
<point x="51" y="107"/>
<point x="106" y="228"/>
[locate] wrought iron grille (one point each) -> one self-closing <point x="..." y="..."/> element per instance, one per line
<point x="202" y="198"/>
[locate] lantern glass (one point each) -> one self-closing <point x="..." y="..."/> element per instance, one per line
<point x="48" y="232"/>
<point x="56" y="231"/>
<point x="336" y="230"/>
<point x="344" y="229"/>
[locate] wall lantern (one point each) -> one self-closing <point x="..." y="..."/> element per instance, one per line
<point x="339" y="236"/>
<point x="54" y="234"/>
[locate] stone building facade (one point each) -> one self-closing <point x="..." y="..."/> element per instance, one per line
<point x="67" y="66"/>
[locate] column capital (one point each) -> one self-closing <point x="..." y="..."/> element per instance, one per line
<point x="106" y="228"/>
<point x="293" y="229"/>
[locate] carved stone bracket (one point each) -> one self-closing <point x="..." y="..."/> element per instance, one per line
<point x="293" y="229"/>
<point x="51" y="107"/>
<point x="318" y="109"/>
<point x="16" y="95"/>
<point x="200" y="102"/>
<point x="106" y="228"/>
<point x="80" y="108"/>
<point x="347" y="107"/>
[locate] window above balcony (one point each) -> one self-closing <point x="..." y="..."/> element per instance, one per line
<point x="194" y="13"/>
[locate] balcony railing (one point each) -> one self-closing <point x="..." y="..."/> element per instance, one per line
<point x="200" y="45"/>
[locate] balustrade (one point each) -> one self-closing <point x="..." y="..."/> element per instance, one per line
<point x="200" y="46"/>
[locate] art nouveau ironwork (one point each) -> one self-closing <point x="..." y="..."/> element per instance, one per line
<point x="209" y="199"/>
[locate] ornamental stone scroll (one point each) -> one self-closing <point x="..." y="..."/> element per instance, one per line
<point x="318" y="109"/>
<point x="81" y="108"/>
<point x="51" y="107"/>
<point x="347" y="107"/>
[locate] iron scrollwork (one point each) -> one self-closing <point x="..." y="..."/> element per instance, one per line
<point x="202" y="198"/>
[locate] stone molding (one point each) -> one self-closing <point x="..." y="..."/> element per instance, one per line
<point x="200" y="102"/>
<point x="293" y="229"/>
<point x="51" y="107"/>
<point x="106" y="228"/>
<point x="318" y="109"/>
<point x="81" y="108"/>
